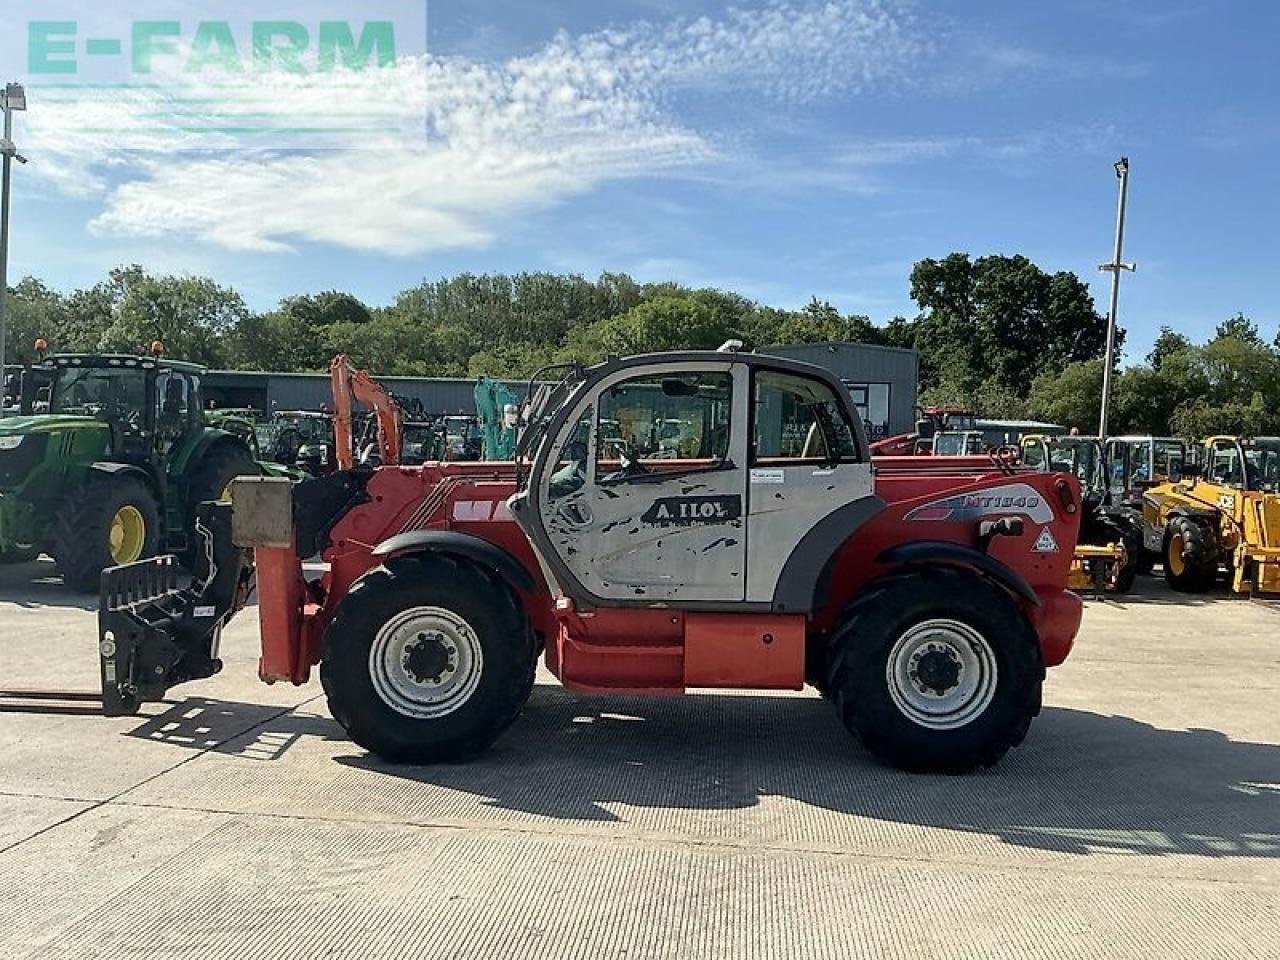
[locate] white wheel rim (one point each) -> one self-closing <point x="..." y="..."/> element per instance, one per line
<point x="425" y="662"/>
<point x="941" y="674"/>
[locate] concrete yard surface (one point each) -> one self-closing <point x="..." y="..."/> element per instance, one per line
<point x="1141" y="818"/>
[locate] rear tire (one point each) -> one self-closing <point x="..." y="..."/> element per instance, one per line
<point x="936" y="670"/>
<point x="427" y="660"/>
<point x="1190" y="556"/>
<point x="209" y="481"/>
<point x="110" y="520"/>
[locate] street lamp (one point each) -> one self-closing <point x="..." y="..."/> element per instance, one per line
<point x="14" y="98"/>
<point x="1114" y="268"/>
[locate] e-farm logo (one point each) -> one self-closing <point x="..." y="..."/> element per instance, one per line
<point x="55" y="46"/>
<point x="166" y="74"/>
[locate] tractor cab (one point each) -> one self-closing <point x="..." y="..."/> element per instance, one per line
<point x="149" y="407"/>
<point x="692" y="479"/>
<point x="1081" y="456"/>
<point x="301" y="438"/>
<point x="958" y="443"/>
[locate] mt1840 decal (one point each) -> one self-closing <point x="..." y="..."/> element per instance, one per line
<point x="1008" y="498"/>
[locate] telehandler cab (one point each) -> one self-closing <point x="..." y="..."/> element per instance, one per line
<point x="1109" y="550"/>
<point x="923" y="598"/>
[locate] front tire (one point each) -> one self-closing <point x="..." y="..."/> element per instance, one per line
<point x="112" y="519"/>
<point x="936" y="670"/>
<point x="427" y="660"/>
<point x="1190" y="556"/>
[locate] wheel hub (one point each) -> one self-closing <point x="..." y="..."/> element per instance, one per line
<point x="936" y="669"/>
<point x="425" y="662"/>
<point x="941" y="674"/>
<point x="429" y="657"/>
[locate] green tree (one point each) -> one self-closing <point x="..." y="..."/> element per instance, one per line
<point x="1200" y="418"/>
<point x="34" y="311"/>
<point x="1168" y="343"/>
<point x="998" y="319"/>
<point x="191" y="316"/>
<point x="1240" y="328"/>
<point x="1072" y="398"/>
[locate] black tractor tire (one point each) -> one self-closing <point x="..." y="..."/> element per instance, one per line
<point x="18" y="555"/>
<point x="209" y="478"/>
<point x="986" y="639"/>
<point x="1195" y="568"/>
<point x="1134" y="552"/>
<point x="379" y="656"/>
<point x="82" y="532"/>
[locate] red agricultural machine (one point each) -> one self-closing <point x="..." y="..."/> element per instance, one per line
<point x="675" y="521"/>
<point x="930" y="421"/>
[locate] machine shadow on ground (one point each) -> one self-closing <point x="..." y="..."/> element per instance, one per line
<point x="38" y="584"/>
<point x="1082" y="781"/>
<point x="253" y="731"/>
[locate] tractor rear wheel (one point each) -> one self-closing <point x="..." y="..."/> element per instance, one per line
<point x="1190" y="556"/>
<point x="427" y="660"/>
<point x="211" y="480"/>
<point x="936" y="670"/>
<point x="112" y="519"/>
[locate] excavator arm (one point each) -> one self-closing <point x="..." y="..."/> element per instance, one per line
<point x="351" y="385"/>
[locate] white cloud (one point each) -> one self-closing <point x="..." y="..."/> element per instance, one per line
<point x="501" y="139"/>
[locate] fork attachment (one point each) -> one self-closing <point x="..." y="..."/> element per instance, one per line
<point x="153" y="633"/>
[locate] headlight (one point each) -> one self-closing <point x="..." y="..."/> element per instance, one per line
<point x="11" y="443"/>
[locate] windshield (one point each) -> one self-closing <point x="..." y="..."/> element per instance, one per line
<point x="1169" y="456"/>
<point x="1262" y="461"/>
<point x="1079" y="458"/>
<point x="956" y="444"/>
<point x="99" y="392"/>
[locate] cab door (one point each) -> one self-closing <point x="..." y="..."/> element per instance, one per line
<point x="638" y="495"/>
<point x="808" y="472"/>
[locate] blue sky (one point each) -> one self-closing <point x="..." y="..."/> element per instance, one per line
<point x="781" y="149"/>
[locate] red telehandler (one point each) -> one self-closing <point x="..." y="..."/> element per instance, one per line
<point x="673" y="521"/>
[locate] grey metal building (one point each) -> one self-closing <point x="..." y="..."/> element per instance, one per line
<point x="309" y="391"/>
<point x="884" y="381"/>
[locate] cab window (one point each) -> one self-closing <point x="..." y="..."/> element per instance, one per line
<point x="172" y="408"/>
<point x="1226" y="467"/>
<point x="663" y="423"/>
<point x="799" y="418"/>
<point x="570" y="473"/>
<point x="1168" y="459"/>
<point x="1033" y="455"/>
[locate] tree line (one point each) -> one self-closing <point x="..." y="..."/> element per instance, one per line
<point x="996" y="333"/>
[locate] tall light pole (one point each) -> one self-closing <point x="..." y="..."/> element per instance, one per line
<point x="14" y="98"/>
<point x="1114" y="268"/>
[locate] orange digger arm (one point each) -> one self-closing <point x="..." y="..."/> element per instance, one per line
<point x="349" y="385"/>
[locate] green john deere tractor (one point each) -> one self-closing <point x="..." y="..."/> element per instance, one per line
<point x="106" y="466"/>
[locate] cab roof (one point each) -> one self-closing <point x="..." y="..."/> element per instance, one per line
<point x="122" y="360"/>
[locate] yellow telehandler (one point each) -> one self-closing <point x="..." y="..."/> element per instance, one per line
<point x="1223" y="512"/>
